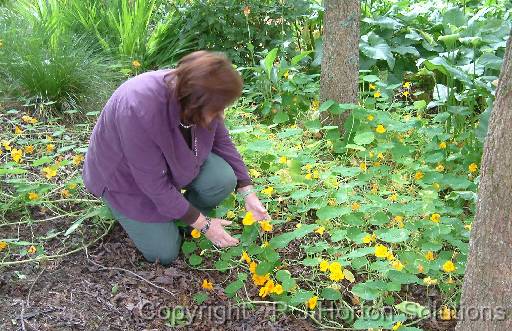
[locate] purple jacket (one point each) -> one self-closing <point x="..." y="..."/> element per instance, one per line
<point x="138" y="157"/>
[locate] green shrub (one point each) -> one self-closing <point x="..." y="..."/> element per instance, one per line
<point x="48" y="65"/>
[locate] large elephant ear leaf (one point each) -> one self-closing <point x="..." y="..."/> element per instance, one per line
<point x="375" y="47"/>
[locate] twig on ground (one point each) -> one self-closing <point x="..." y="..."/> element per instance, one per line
<point x="49" y="257"/>
<point x="31" y="286"/>
<point x="22" y="317"/>
<point x="130" y="272"/>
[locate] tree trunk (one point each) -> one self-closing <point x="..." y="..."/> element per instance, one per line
<point x="487" y="287"/>
<point x="340" y="58"/>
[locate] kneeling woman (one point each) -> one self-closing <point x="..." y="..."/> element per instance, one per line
<point x="162" y="132"/>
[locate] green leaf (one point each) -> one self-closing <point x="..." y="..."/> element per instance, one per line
<point x="356" y="147"/>
<point x="326" y="105"/>
<point x="419" y="105"/>
<point x="264" y="267"/>
<point x="286" y="279"/>
<point x="300" y="194"/>
<point x="364" y="138"/>
<point x="393" y="235"/>
<point x="310" y="262"/>
<point x="296" y="59"/>
<point x="12" y="171"/>
<point x="195" y="259"/>
<point x="300" y="297"/>
<point x="281" y="117"/>
<point x="413" y="308"/>
<point x="79" y="221"/>
<point x="269" y="60"/>
<point x="338" y="235"/>
<point x="200" y="297"/>
<point x="402" y="277"/>
<point x="284" y="239"/>
<point x="366" y="291"/>
<point x="375" y="47"/>
<point x="349" y="275"/>
<point x="260" y="146"/>
<point x="330" y="293"/>
<point x="454" y="16"/>
<point x="42" y="160"/>
<point x="188" y="247"/>
<point x="375" y="320"/>
<point x="233" y="287"/>
<point x="221" y="265"/>
<point x="328" y="212"/>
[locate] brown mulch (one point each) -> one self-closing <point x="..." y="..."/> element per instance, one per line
<point x="74" y="293"/>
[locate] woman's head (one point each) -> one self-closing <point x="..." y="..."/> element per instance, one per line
<point x="206" y="83"/>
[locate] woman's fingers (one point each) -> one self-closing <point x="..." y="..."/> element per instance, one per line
<point x="225" y="222"/>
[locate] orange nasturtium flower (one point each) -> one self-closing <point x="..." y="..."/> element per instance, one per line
<point x="195" y="233"/>
<point x="207" y="284"/>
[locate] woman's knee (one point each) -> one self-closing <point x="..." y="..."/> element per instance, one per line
<point x="218" y="189"/>
<point x="166" y="253"/>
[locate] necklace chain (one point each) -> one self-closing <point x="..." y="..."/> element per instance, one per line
<point x="195" y="138"/>
<point x="187" y="126"/>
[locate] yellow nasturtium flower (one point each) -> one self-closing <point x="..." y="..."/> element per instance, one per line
<point x="32" y="249"/>
<point x="436" y="218"/>
<point x="381" y="250"/>
<point x="380" y="128"/>
<point x="16" y="154"/>
<point x="266" y="226"/>
<point x="77" y="159"/>
<point x="419" y="175"/>
<point x="324" y="265"/>
<point x="28" y="149"/>
<point x="473" y="167"/>
<point x="448" y="266"/>
<point x="195" y="233"/>
<point x="136" y="64"/>
<point x="33" y="196"/>
<point x="248" y="218"/>
<point x="312" y="302"/>
<point x="320" y="230"/>
<point x="268" y="191"/>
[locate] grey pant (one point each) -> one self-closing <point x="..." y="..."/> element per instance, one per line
<point x="216" y="180"/>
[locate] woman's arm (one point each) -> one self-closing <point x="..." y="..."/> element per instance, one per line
<point x="224" y="147"/>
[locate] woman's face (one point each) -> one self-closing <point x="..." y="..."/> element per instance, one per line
<point x="209" y="117"/>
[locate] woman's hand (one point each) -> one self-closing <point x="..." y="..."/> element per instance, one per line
<point x="218" y="235"/>
<point x="253" y="204"/>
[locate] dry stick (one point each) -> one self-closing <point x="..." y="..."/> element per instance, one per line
<point x="49" y="257"/>
<point x="32" y="286"/>
<point x="36" y="221"/>
<point x="130" y="272"/>
<point x="22" y="317"/>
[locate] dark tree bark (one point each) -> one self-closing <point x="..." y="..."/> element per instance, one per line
<point x="340" y="58"/>
<point x="487" y="287"/>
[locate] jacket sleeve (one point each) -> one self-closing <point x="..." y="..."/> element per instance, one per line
<point x="224" y="147"/>
<point x="149" y="169"/>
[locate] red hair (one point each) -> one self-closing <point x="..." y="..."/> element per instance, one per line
<point x="206" y="83"/>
